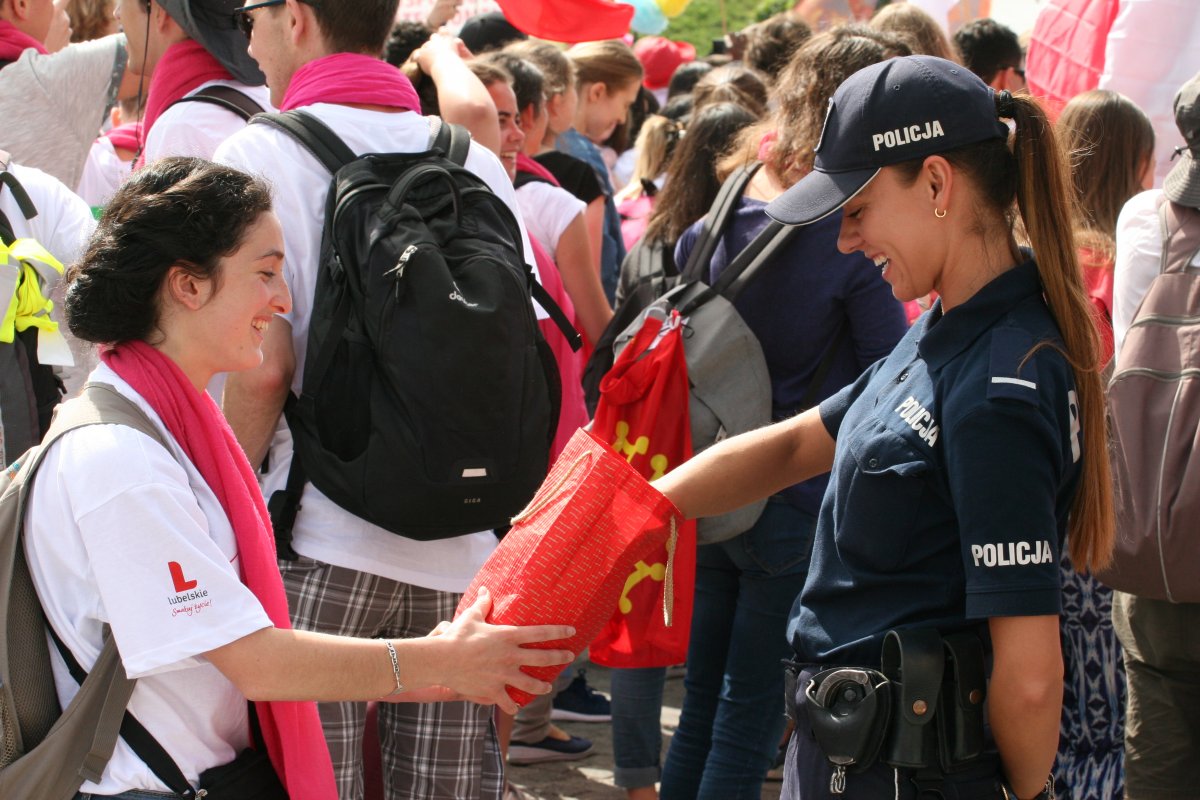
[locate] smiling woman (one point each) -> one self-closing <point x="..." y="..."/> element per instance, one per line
<point x="170" y="546"/>
<point x="960" y="466"/>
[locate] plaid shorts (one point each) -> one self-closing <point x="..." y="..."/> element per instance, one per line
<point x="430" y="751"/>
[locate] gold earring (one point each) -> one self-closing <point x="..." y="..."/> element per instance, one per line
<point x="941" y="215"/>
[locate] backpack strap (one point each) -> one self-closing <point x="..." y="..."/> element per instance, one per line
<point x="98" y="404"/>
<point x="1180" y="236"/>
<point x="715" y="221"/>
<point x="24" y="203"/>
<point x="227" y="97"/>
<point x="746" y="265"/>
<point x="140" y="740"/>
<point x="313" y="135"/>
<point x="453" y="140"/>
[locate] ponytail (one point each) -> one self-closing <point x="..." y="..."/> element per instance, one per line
<point x="1044" y="202"/>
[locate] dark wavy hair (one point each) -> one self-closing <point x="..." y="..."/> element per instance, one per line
<point x="184" y="212"/>
<point x="691" y="182"/>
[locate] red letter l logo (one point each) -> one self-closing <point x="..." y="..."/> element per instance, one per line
<point x="182" y="584"/>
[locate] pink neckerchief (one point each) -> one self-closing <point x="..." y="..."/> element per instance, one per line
<point x="14" y="41"/>
<point x="183" y="67"/>
<point x="291" y="730"/>
<point x="350" y="78"/>
<point x="127" y="136"/>
<point x="527" y="164"/>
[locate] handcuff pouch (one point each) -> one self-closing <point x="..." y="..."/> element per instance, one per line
<point x="848" y="710"/>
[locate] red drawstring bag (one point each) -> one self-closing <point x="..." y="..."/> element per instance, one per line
<point x="566" y="557"/>
<point x="643" y="414"/>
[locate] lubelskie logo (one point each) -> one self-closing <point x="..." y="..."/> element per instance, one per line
<point x="185" y="589"/>
<point x="182" y="584"/>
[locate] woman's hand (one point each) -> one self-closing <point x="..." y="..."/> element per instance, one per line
<point x="478" y="659"/>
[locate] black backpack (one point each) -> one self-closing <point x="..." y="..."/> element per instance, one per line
<point x="429" y="398"/>
<point x="29" y="390"/>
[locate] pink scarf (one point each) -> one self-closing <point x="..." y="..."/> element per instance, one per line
<point x="291" y="730"/>
<point x="350" y="78"/>
<point x="127" y="136"/>
<point x="14" y="41"/>
<point x="185" y="66"/>
<point x="527" y="164"/>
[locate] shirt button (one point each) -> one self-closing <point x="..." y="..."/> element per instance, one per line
<point x="873" y="463"/>
<point x="903" y="377"/>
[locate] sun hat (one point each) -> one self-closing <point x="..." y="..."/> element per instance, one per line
<point x="891" y="112"/>
<point x="211" y="23"/>
<point x="660" y="58"/>
<point x="1183" y="181"/>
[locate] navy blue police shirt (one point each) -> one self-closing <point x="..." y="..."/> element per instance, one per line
<point x="957" y="460"/>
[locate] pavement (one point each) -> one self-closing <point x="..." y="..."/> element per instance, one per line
<point x="591" y="778"/>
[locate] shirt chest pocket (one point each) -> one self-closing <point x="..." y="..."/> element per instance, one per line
<point x="887" y="482"/>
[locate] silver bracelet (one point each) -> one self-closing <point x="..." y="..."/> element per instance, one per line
<point x="395" y="668"/>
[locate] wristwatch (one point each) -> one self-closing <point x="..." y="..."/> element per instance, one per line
<point x="1047" y="792"/>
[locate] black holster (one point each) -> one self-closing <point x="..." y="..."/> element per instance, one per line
<point x="939" y="686"/>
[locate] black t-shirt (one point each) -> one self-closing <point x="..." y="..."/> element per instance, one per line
<point x="576" y="176"/>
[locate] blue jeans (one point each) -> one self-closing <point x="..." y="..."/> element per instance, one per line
<point x="733" y="710"/>
<point x="637" y="698"/>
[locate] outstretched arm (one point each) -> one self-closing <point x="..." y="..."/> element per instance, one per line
<point x="466" y="659"/>
<point x="751" y="466"/>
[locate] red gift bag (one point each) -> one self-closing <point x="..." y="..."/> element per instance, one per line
<point x="643" y="414"/>
<point x="566" y="558"/>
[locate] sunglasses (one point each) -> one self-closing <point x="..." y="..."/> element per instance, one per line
<point x="244" y="21"/>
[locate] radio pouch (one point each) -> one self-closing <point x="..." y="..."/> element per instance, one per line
<point x="960" y="718"/>
<point x="913" y="662"/>
<point x="848" y="711"/>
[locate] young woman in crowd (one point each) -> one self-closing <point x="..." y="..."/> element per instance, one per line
<point x="173" y="550"/>
<point x="608" y="77"/>
<point x="656" y="143"/>
<point x="690" y="187"/>
<point x="962" y="461"/>
<point x="732" y="83"/>
<point x="810" y="305"/>
<point x="916" y="28"/>
<point x="576" y="176"/>
<point x="1110" y="144"/>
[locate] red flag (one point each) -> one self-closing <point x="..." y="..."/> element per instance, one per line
<point x="569" y="20"/>
<point x="1066" y="49"/>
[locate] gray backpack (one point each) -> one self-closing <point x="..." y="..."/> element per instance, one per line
<point x="727" y="373"/>
<point x="1154" y="418"/>
<point x="46" y="751"/>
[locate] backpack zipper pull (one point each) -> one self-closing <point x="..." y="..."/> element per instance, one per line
<point x="397" y="271"/>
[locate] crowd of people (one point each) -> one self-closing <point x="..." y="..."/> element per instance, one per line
<point x="957" y="276"/>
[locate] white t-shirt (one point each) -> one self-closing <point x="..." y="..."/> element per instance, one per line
<point x="548" y="210"/>
<point x="63" y="225"/>
<point x="323" y="530"/>
<point x="197" y="128"/>
<point x="121" y="532"/>
<point x="103" y="173"/>
<point x="1137" y="260"/>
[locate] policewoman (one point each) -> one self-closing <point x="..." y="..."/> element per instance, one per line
<point x="962" y="463"/>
